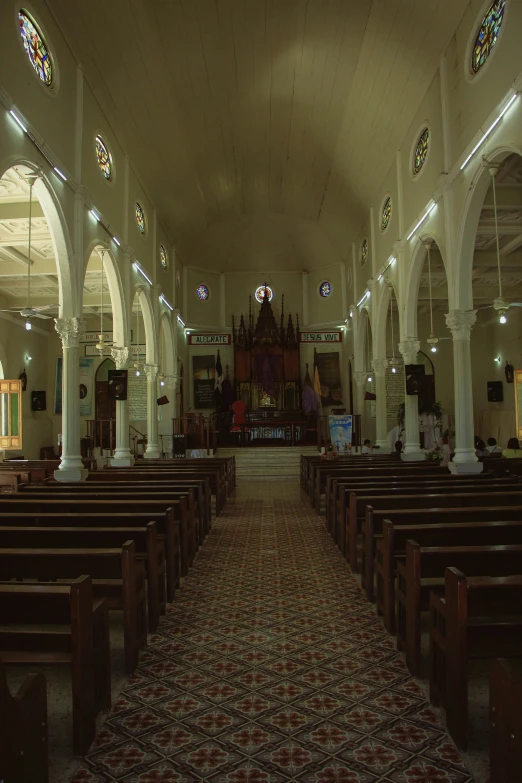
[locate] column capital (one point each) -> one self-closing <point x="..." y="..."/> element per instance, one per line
<point x="360" y="377"/>
<point x="70" y="331"/>
<point x="151" y="371"/>
<point x="120" y="357"/>
<point x="409" y="349"/>
<point x="379" y="367"/>
<point x="460" y="323"/>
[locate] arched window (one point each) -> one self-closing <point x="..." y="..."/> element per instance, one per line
<point x="421" y="150"/>
<point x="164" y="259"/>
<point x="364" y="251"/>
<point x="36" y="48"/>
<point x="103" y="156"/>
<point x="487" y="35"/>
<point x="386" y="214"/>
<point x="140" y="217"/>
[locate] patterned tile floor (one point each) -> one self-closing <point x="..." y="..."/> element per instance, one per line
<point x="271" y="666"/>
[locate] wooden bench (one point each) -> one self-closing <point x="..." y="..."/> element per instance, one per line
<point x="505" y="720"/>
<point x="81" y="642"/>
<point x="477" y="617"/>
<point x="24" y="736"/>
<point x="116" y="577"/>
<point x="171" y="513"/>
<point x="149" y="553"/>
<point x="471" y="550"/>
<point x="472" y="509"/>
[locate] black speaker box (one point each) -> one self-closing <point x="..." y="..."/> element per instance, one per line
<point x="118" y="384"/>
<point x="179" y="445"/>
<point x="414" y="378"/>
<point x="38" y="401"/>
<point x="495" y="391"/>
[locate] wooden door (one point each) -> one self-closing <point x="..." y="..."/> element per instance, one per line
<point x="105" y="407"/>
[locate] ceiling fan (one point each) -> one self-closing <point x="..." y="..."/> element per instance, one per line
<point x="432" y="339"/>
<point x="29" y="312"/>
<point x="499" y="303"/>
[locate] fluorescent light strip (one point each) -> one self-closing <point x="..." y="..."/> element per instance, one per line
<point x="166" y="302"/>
<point x="95" y="215"/>
<point x="490" y="129"/>
<point x="421" y="221"/>
<point x="17" y="120"/>
<point x="60" y="174"/>
<point x="138" y="268"/>
<point x="364" y="296"/>
<point x="116" y="241"/>
<point x="182" y="322"/>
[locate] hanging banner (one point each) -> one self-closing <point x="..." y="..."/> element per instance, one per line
<point x="86" y="386"/>
<point x="395" y="390"/>
<point x="203" y="376"/>
<point x="341" y="432"/>
<point x="320" y="337"/>
<point x="210" y="339"/>
<point x="329" y="378"/>
<point x="137" y="396"/>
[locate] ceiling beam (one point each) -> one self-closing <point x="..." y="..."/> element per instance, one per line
<point x="20" y="210"/>
<point x="479" y="292"/>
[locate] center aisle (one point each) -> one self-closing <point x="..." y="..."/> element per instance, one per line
<point x="271" y="666"/>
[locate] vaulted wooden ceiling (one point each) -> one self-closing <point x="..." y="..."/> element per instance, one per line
<point x="262" y="128"/>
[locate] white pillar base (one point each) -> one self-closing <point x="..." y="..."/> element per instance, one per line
<point x="71" y="474"/>
<point x="122" y="462"/>
<point x="466" y="467"/>
<point x="413" y="456"/>
<point x="152" y="452"/>
<point x="384" y="447"/>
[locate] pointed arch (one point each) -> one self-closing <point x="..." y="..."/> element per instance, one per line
<point x="411" y="295"/>
<point x="147" y="312"/>
<point x="120" y="326"/>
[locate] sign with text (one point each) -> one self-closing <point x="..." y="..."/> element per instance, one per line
<point x="134" y="350"/>
<point x="210" y="339"/>
<point x="137" y="396"/>
<point x="320" y="337"/>
<point x="204" y="379"/>
<point x="340" y="432"/>
<point x="93" y="337"/>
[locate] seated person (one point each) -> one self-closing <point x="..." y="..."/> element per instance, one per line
<point x="480" y="449"/>
<point x="367" y="447"/>
<point x="513" y="450"/>
<point x="398" y="449"/>
<point x="492" y="446"/>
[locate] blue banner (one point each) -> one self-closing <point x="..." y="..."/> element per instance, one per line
<point x="340" y="432"/>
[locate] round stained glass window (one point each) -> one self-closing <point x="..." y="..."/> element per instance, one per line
<point x="140" y="217"/>
<point x="325" y="289"/>
<point x="202" y="292"/>
<point x="386" y="214"/>
<point x="487" y="35"/>
<point x="103" y="157"/>
<point x="262" y="291"/>
<point x="163" y="257"/>
<point x="36" y="48"/>
<point x="421" y="151"/>
<point x="364" y="251"/>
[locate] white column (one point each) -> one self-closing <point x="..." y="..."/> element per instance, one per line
<point x="412" y="452"/>
<point x="71" y="465"/>
<point x="152" y="451"/>
<point x="460" y="323"/>
<point x="122" y="456"/>
<point x="381" y="419"/>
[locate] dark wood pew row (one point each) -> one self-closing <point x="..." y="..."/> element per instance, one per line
<point x="228" y="463"/>
<point x="505" y="720"/>
<point x="413" y="469"/>
<point x="338" y="490"/>
<point x="81" y="642"/>
<point x="485" y="549"/>
<point x="309" y="461"/>
<point x="149" y="553"/>
<point x="24" y="735"/>
<point x="171" y="517"/>
<point x="116" y="577"/>
<point x="477" y="617"/>
<point x="385" y="494"/>
<point x="465" y="507"/>
<point x="46" y="465"/>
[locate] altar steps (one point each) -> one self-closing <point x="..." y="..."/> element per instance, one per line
<point x="255" y="463"/>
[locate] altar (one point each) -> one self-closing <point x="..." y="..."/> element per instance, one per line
<point x="288" y="426"/>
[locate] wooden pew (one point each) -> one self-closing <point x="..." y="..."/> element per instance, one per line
<point x="505" y="720"/>
<point x="501" y="507"/>
<point x="174" y="514"/>
<point x="24" y="736"/>
<point x="82" y="642"/>
<point x="478" y="617"/>
<point x="471" y="549"/>
<point x="130" y="599"/>
<point x="378" y="497"/>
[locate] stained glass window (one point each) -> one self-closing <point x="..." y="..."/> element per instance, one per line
<point x="140" y="217"/>
<point x="487" y="35"/>
<point x="163" y="257"/>
<point x="202" y="292"/>
<point x="364" y="251"/>
<point x="325" y="289"/>
<point x="386" y="214"/>
<point x="103" y="157"/>
<point x="421" y="150"/>
<point x="263" y="291"/>
<point x="36" y="48"/>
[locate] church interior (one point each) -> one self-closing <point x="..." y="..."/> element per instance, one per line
<point x="260" y="371"/>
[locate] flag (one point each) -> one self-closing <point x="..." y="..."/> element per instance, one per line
<point x="218" y="397"/>
<point x="317" y="384"/>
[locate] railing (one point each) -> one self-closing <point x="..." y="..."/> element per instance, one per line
<point x="102" y="433"/>
<point x="137" y="439"/>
